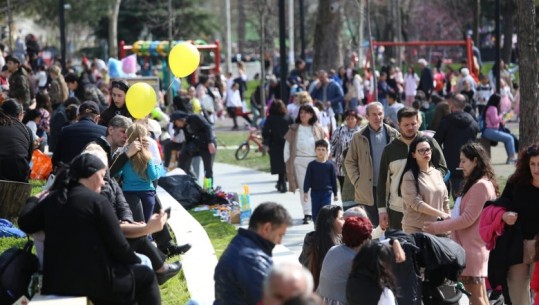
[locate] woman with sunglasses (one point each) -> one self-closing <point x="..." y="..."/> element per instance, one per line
<point x="117" y="103"/>
<point x="422" y="188"/>
<point x="479" y="185"/>
<point x="520" y="199"/>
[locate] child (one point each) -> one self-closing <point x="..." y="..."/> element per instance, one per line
<point x="321" y="178"/>
<point x="140" y="171"/>
<point x="482" y="94"/>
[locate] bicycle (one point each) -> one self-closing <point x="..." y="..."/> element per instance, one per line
<point x="244" y="148"/>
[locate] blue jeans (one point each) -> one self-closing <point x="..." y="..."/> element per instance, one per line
<point x="147" y="198"/>
<point x="318" y="200"/>
<point x="500" y="136"/>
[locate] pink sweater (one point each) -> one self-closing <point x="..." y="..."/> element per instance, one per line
<point x="465" y="228"/>
<point x="492" y="118"/>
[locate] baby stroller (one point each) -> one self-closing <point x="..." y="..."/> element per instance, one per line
<point x="439" y="259"/>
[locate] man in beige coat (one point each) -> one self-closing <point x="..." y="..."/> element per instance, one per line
<point x="362" y="162"/>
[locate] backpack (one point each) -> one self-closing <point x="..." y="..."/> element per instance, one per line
<point x="16" y="269"/>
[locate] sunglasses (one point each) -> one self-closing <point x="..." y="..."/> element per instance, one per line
<point x="532" y="150"/>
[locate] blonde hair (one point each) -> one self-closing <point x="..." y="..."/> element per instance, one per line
<point x="63" y="90"/>
<point x="98" y="151"/>
<point x="304" y="98"/>
<point x="139" y="161"/>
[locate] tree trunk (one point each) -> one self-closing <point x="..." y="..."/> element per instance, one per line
<point x="476" y="22"/>
<point x="241" y="26"/>
<point x="508" y="14"/>
<point x="327" y="35"/>
<point x="14" y="195"/>
<point x="529" y="121"/>
<point x="113" y="28"/>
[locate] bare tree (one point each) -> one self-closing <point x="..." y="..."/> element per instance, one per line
<point x="113" y="27"/>
<point x="527" y="39"/>
<point x="328" y="35"/>
<point x="508" y="14"/>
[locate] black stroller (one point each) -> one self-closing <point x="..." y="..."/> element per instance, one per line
<point x="442" y="261"/>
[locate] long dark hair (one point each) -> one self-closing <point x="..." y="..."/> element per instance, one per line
<point x="374" y="261"/>
<point x="494" y="100"/>
<point x="10" y="110"/>
<point x="522" y="174"/>
<point x="411" y="162"/>
<point x="324" y="238"/>
<point x="483" y="168"/>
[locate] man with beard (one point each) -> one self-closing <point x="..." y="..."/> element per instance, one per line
<point x="393" y="160"/>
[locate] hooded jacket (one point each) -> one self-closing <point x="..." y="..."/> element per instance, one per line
<point x="455" y="130"/>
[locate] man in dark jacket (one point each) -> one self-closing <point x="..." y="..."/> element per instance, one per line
<point x="247" y="260"/>
<point x="426" y="80"/>
<point x="455" y="130"/>
<point x="74" y="138"/>
<point x="199" y="141"/>
<point x="59" y="120"/>
<point x="19" y="85"/>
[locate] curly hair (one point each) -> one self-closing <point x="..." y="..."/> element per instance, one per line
<point x="374" y="261"/>
<point x="483" y="168"/>
<point x="356" y="230"/>
<point x="522" y="174"/>
<point x="139" y="161"/>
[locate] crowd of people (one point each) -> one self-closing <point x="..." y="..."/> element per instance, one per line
<point x="419" y="149"/>
<point x="396" y="151"/>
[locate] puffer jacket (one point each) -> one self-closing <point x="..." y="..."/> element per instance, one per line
<point x="242" y="269"/>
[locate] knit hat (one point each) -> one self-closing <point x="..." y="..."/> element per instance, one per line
<point x="84" y="166"/>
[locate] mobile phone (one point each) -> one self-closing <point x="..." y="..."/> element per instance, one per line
<point x="167" y="210"/>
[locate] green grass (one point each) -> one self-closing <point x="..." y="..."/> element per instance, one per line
<point x="220" y="233"/>
<point x="232" y="140"/>
<point x="36" y="186"/>
<point x="174" y="291"/>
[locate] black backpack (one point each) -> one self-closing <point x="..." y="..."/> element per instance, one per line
<point x="16" y="269"/>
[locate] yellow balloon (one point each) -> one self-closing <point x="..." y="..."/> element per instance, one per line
<point x="140" y="100"/>
<point x="183" y="59"/>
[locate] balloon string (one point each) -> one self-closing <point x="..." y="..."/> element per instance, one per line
<point x="171" y="82"/>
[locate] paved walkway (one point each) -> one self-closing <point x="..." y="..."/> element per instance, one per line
<point x="199" y="263"/>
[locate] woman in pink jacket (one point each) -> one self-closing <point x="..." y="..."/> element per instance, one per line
<point x="493" y="119"/>
<point x="479" y="186"/>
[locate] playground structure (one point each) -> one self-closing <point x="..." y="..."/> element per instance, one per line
<point x="162" y="48"/>
<point x="466" y="43"/>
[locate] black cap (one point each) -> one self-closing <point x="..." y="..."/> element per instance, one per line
<point x="178" y="115"/>
<point x="89" y="107"/>
<point x="84" y="166"/>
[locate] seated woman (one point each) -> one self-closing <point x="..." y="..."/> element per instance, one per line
<point x="86" y="253"/>
<point x="493" y="119"/>
<point x="326" y="234"/>
<point x="136" y="232"/>
<point x="338" y="261"/>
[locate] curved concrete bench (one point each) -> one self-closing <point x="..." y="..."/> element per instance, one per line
<point x="199" y="263"/>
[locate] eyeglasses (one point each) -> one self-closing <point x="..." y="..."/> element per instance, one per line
<point x="424" y="151"/>
<point x="532" y="150"/>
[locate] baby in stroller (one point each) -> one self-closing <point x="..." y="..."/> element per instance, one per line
<point x="431" y="270"/>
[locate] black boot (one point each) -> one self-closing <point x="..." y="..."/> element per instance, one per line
<point x="282" y="187"/>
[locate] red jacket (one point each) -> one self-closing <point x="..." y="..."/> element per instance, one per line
<point x="491" y="225"/>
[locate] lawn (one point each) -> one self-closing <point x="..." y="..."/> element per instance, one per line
<point x="229" y="141"/>
<point x="220" y="233"/>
